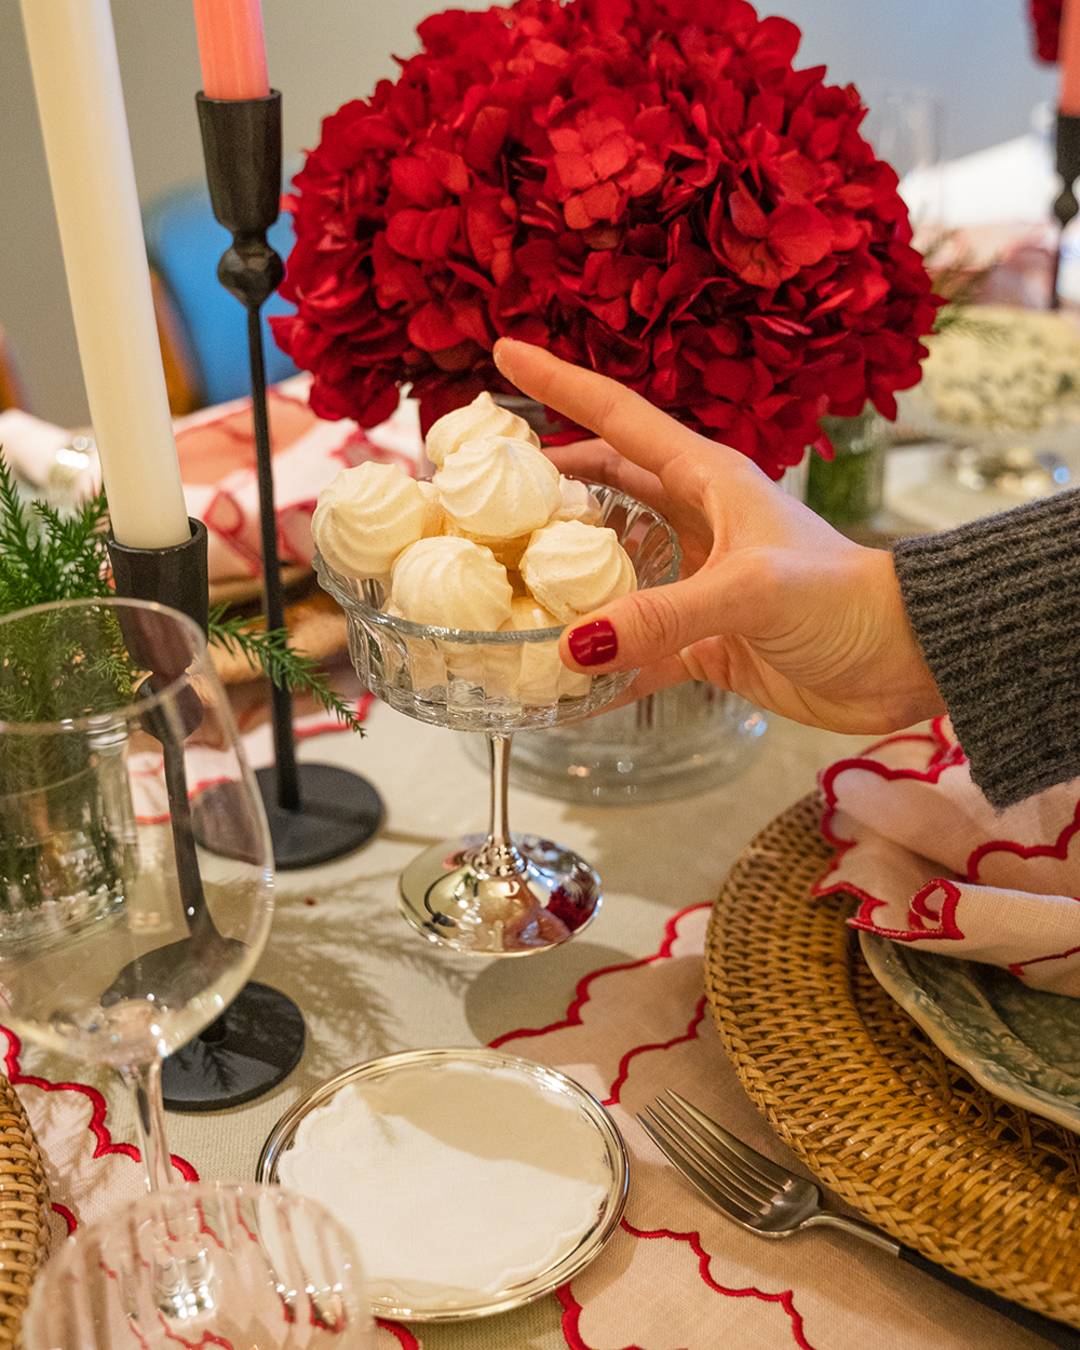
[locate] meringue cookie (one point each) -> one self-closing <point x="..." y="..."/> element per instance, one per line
<point x="572" y="568"/>
<point x="541" y="677"/>
<point x="366" y="516"/>
<point x="577" y="503"/>
<point x="498" y="488"/>
<point x="451" y="583"/>
<point x="482" y="417"/>
<point x="434" y="515"/>
<point x="507" y="551"/>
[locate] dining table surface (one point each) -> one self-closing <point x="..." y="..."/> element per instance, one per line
<point x="621" y="1008"/>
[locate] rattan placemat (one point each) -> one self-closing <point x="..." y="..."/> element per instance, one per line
<point x="316" y="625"/>
<point x="24" y="1201"/>
<point x="875" y="1111"/>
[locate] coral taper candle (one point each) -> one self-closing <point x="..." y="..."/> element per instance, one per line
<point x="232" y="49"/>
<point x="81" y="107"/>
<point x="1069" y="102"/>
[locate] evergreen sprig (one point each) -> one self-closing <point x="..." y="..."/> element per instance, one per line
<point x="281" y="663"/>
<point x="46" y="556"/>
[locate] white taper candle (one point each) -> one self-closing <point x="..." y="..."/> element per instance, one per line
<point x="81" y="105"/>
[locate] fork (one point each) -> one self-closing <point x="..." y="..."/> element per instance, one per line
<point x="767" y="1199"/>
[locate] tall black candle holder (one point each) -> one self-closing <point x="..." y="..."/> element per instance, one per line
<point x="316" y="811"/>
<point x="259" y="1039"/>
<point x="1065" y="204"/>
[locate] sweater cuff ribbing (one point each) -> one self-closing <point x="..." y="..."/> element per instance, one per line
<point x="996" y="608"/>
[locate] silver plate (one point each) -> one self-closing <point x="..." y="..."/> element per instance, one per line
<point x="568" y="1263"/>
<point x="1021" y="1044"/>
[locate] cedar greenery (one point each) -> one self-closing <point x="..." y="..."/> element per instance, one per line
<point x="46" y="556"/>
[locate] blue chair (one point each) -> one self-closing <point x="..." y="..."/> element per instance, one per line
<point x="184" y="243"/>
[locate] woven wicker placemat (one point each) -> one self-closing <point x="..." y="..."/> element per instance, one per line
<point x="24" y="1199"/>
<point x="875" y="1110"/>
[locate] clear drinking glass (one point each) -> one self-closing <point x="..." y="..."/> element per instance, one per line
<point x="906" y="128"/>
<point x="249" y="1267"/>
<point x="133" y="905"/>
<point x="499" y="893"/>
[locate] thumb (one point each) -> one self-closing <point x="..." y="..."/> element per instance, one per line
<point x="648" y="625"/>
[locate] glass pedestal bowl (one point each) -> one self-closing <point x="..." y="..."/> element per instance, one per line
<point x="495" y="894"/>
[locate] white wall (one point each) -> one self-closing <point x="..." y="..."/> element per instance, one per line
<point x="972" y="54"/>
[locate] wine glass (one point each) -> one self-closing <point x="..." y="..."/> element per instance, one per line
<point x="498" y="894"/>
<point x="250" y="1267"/>
<point x="124" y="931"/>
<point x="906" y="128"/>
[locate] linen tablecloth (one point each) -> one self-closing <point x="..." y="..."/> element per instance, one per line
<point x="621" y="1009"/>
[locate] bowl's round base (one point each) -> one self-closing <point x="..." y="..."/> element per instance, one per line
<point x="536" y="896"/>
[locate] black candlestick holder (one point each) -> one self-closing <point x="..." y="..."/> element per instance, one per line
<point x="316" y="811"/>
<point x="259" y="1039"/>
<point x="1065" y="204"/>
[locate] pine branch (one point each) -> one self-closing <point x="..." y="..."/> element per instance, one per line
<point x="23" y="578"/>
<point x="271" y="653"/>
<point x="46" y="556"/>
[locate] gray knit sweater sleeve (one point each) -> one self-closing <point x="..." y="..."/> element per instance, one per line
<point x="996" y="608"/>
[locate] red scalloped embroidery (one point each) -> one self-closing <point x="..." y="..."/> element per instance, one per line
<point x="1019" y="967"/>
<point x="66" y="1215"/>
<point x="624" y="1063"/>
<point x="919" y="914"/>
<point x="207" y="1339"/>
<point x="947" y="756"/>
<point x="573" y="1017"/>
<point x="572" y="1310"/>
<point x="906" y="737"/>
<point x="1058" y="849"/>
<point x="403" y="1335"/>
<point x="363" y="708"/>
<point x="581" y="992"/>
<point x="99" y="1110"/>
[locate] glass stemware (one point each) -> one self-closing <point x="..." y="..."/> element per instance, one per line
<point x="250" y="1267"/>
<point x="503" y="893"/>
<point x="122" y="936"/>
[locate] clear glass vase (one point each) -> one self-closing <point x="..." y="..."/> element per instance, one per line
<point x="671" y="744"/>
<point x="66" y="850"/>
<point x="849" y="490"/>
<point x="126" y="928"/>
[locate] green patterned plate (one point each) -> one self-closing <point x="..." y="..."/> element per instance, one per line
<point x="1021" y="1044"/>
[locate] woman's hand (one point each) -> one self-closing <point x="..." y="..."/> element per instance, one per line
<point x="773" y="603"/>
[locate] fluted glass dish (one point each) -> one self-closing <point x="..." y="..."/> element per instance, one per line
<point x="500" y="893"/>
<point x="245" y="1267"/>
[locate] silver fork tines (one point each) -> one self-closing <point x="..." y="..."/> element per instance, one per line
<point x="766" y="1198"/>
<point x="709" y="1144"/>
<point x="738" y="1180"/>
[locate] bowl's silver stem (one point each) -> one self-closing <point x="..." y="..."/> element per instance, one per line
<point x="497" y="856"/>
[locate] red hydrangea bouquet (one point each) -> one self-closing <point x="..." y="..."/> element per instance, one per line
<point x="647" y="187"/>
<point x="1046" y="28"/>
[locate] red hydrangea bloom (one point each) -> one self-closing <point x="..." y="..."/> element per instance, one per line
<point x="647" y="187"/>
<point x="1046" y="28"/>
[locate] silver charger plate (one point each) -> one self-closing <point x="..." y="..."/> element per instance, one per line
<point x="1021" y="1044"/>
<point x="566" y="1263"/>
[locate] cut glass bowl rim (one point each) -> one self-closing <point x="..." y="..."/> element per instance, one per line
<point x="340" y="588"/>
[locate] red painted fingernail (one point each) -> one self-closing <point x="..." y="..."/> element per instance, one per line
<point x="593" y="643"/>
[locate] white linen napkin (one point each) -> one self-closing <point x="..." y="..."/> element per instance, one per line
<point x="934" y="865"/>
<point x="455" y="1182"/>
